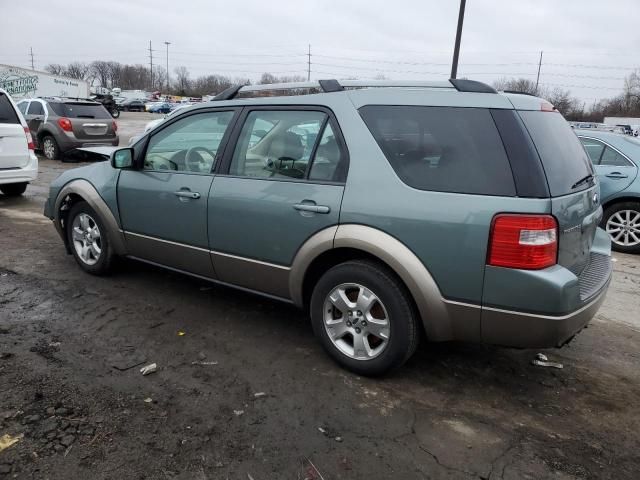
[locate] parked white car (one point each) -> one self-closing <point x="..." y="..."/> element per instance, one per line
<point x="18" y="162"/>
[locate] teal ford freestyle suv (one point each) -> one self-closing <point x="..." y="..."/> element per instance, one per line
<point x="387" y="210"/>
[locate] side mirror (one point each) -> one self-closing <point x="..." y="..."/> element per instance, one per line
<point x="122" y="158"/>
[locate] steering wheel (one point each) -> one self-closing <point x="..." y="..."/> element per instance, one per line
<point x="194" y="162"/>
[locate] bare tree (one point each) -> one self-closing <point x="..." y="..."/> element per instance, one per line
<point x="55" y="69"/>
<point x="100" y="70"/>
<point x="79" y="70"/>
<point x="521" y="85"/>
<point x="182" y="79"/>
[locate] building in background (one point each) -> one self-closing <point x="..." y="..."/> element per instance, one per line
<point x="24" y="83"/>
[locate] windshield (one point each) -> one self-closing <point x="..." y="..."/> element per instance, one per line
<point x="563" y="157"/>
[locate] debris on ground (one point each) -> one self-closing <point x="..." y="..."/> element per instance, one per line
<point x="148" y="369"/>
<point x="148" y="400"/>
<point x="7" y="440"/>
<point x="237" y="413"/>
<point x="259" y="394"/>
<point x="204" y="363"/>
<point x="542" y="360"/>
<point x="181" y="333"/>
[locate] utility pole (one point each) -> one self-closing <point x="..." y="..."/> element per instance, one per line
<point x="309" y="64"/>
<point x="167" y="44"/>
<point x="456" y="48"/>
<point x="151" y="63"/>
<point x="31" y="49"/>
<point x="539" y="67"/>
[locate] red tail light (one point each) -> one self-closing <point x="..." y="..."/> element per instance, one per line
<point x="65" y="124"/>
<point x="523" y="241"/>
<point x="30" y="144"/>
<point x="115" y="127"/>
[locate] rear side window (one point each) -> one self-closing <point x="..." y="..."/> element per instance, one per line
<point x="444" y="149"/>
<point x="564" y="159"/>
<point x="7" y="113"/>
<point x="80" y="110"/>
<point x="22" y="106"/>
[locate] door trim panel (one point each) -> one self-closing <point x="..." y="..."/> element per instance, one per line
<point x="172" y="254"/>
<point x="252" y="274"/>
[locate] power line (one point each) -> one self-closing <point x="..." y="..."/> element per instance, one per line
<point x="31" y="53"/>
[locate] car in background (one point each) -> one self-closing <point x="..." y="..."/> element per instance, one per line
<point x="616" y="158"/>
<point x="162" y="107"/>
<point x="18" y="162"/>
<point x="132" y="105"/>
<point x="60" y="124"/>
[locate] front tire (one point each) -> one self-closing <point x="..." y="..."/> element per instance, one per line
<point x="13" y="189"/>
<point x="364" y="317"/>
<point x="622" y="223"/>
<point x="50" y="147"/>
<point x="88" y="239"/>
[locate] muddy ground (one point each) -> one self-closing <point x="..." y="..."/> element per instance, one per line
<point x="247" y="393"/>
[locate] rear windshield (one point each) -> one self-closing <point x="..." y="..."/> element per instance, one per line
<point x="564" y="159"/>
<point x="80" y="110"/>
<point x="7" y="113"/>
<point x="444" y="149"/>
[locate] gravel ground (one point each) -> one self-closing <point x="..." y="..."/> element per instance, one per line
<point x="244" y="391"/>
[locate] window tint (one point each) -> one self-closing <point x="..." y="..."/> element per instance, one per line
<point x="22" y="106"/>
<point x="7" y="113"/>
<point x="328" y="164"/>
<point x="35" y="108"/>
<point x="594" y="148"/>
<point x="442" y="149"/>
<point x="276" y="144"/>
<point x="613" y="158"/>
<point x="563" y="157"/>
<point x="188" y="145"/>
<point x="80" y="110"/>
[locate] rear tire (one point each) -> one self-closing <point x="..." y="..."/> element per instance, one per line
<point x="364" y="317"/>
<point x="50" y="147"/>
<point x="13" y="189"/>
<point x="88" y="240"/>
<point x="622" y="223"/>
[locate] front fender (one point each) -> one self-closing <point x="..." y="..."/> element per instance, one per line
<point x="89" y="194"/>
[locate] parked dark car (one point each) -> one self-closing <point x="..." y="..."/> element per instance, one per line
<point x="132" y="106"/>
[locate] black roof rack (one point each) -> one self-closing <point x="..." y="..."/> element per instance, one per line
<point x="329" y="86"/>
<point x="520" y="93"/>
<point x="463" y="85"/>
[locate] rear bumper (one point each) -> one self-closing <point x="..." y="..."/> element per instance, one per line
<point x="21" y="175"/>
<point x="529" y="330"/>
<point x="69" y="142"/>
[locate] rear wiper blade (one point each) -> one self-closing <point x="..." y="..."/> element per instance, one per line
<point x="581" y="181"/>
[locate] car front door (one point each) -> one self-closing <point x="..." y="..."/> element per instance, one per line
<point x="163" y="203"/>
<point x="281" y="183"/>
<point x="35" y="117"/>
<point x="615" y="171"/>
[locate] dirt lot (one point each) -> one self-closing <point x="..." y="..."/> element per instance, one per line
<point x="247" y="393"/>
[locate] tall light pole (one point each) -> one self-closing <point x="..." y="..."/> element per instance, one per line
<point x="456" y="49"/>
<point x="167" y="44"/>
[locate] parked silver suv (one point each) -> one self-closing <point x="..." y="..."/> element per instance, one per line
<point x="60" y="124"/>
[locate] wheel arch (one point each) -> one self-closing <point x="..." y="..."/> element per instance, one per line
<point x="621" y="199"/>
<point x="347" y="242"/>
<point x="81" y="190"/>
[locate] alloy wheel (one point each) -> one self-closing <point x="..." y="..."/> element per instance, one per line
<point x="49" y="148"/>
<point x="624" y="228"/>
<point x="86" y="238"/>
<point x="356" y="321"/>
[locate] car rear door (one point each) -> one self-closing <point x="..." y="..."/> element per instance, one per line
<point x="281" y="183"/>
<point x="614" y="169"/>
<point x="14" y="151"/>
<point x="89" y="121"/>
<point x="163" y="205"/>
<point x="35" y="116"/>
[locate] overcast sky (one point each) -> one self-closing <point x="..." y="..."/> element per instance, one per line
<point x="589" y="45"/>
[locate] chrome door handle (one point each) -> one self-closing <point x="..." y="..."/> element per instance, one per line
<point x="305" y="207"/>
<point x="187" y="194"/>
<point x="616" y="175"/>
